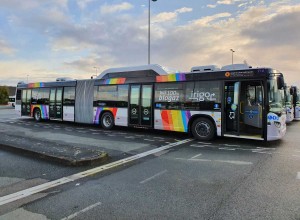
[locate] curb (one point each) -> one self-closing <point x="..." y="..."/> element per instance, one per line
<point x="95" y="160"/>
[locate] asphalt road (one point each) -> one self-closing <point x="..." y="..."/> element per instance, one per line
<point x="222" y="179"/>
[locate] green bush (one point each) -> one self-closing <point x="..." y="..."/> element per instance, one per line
<point x="3" y="95"/>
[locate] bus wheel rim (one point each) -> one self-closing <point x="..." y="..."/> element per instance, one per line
<point x="107" y="121"/>
<point x="37" y="115"/>
<point x="203" y="129"/>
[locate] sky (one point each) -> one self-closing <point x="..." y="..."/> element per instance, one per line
<point x="43" y="40"/>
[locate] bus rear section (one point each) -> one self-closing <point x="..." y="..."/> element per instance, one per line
<point x="12" y="101"/>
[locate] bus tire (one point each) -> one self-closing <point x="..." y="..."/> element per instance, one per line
<point x="107" y="121"/>
<point x="203" y="129"/>
<point x="37" y="115"/>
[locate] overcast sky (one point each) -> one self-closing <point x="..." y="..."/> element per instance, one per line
<point x="68" y="38"/>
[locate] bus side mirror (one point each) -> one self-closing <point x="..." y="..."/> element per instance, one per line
<point x="280" y="82"/>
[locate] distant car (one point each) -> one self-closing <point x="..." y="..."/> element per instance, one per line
<point x="12" y="101"/>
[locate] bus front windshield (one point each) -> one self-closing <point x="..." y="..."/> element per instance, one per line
<point x="276" y="96"/>
<point x="288" y="98"/>
<point x="298" y="99"/>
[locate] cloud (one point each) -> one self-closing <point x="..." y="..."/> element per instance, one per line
<point x="170" y="16"/>
<point x="208" y="19"/>
<point x="227" y="2"/>
<point x="108" y="9"/>
<point x="83" y="3"/>
<point x="5" y="48"/>
<point x="183" y="10"/>
<point x="265" y="35"/>
<point x="211" y="6"/>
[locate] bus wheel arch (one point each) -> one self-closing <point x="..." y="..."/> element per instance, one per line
<point x="107" y="120"/>
<point x="202" y="127"/>
<point x="37" y="114"/>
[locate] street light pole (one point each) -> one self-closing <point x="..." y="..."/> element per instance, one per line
<point x="96" y="70"/>
<point x="232" y="55"/>
<point x="149" y="31"/>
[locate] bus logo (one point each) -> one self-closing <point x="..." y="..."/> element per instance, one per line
<point x="227" y="74"/>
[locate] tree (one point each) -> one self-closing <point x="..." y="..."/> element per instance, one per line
<point x="3" y="95"/>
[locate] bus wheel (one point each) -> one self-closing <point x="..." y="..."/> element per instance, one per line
<point x="107" y="121"/>
<point x="37" y="115"/>
<point x="203" y="129"/>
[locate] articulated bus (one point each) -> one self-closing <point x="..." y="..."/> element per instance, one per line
<point x="289" y="104"/>
<point x="206" y="102"/>
<point x="296" y="102"/>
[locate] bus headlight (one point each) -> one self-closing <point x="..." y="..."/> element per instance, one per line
<point x="277" y="124"/>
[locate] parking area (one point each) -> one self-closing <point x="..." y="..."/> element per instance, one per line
<point x="221" y="179"/>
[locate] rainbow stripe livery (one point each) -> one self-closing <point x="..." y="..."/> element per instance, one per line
<point x="35" y="85"/>
<point x="43" y="109"/>
<point x="100" y="109"/>
<point x="176" y="77"/>
<point x="114" y="81"/>
<point x="175" y="120"/>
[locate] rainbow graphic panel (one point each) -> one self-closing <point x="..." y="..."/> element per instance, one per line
<point x="100" y="109"/>
<point x="114" y="81"/>
<point x="175" y="120"/>
<point x="43" y="109"/>
<point x="36" y="85"/>
<point x="176" y="77"/>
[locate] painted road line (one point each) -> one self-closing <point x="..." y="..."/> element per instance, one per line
<point x="152" y="177"/>
<point x="148" y="140"/>
<point x="298" y="176"/>
<point x="203" y="142"/>
<point x="236" y="162"/>
<point x="37" y="189"/>
<point x="230" y="145"/>
<point x="200" y="146"/>
<point x="195" y="156"/>
<point x="200" y="160"/>
<point x="82" y="211"/>
<point x="226" y="148"/>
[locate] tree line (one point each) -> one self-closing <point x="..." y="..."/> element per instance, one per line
<point x="3" y="95"/>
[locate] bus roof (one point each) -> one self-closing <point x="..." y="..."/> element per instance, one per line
<point x="160" y="70"/>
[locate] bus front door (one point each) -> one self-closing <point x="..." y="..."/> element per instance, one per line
<point x="140" y="106"/>
<point x="244" y="101"/>
<point x="55" y="105"/>
<point x="26" y="99"/>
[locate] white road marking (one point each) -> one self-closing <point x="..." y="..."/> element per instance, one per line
<point x="148" y="140"/>
<point x="96" y="133"/>
<point x="226" y="148"/>
<point x="36" y="189"/>
<point x="82" y="211"/>
<point x="195" y="156"/>
<point x="197" y="145"/>
<point x="236" y="162"/>
<point x="152" y="177"/>
<point x="298" y="176"/>
<point x="201" y="160"/>
<point x="203" y="143"/>
<point x="230" y="145"/>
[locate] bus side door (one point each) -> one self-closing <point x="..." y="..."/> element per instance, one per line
<point x="140" y="106"/>
<point x="26" y="99"/>
<point x="244" y="109"/>
<point x="55" y="104"/>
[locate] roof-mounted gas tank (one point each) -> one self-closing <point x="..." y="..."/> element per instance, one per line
<point x="206" y="68"/>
